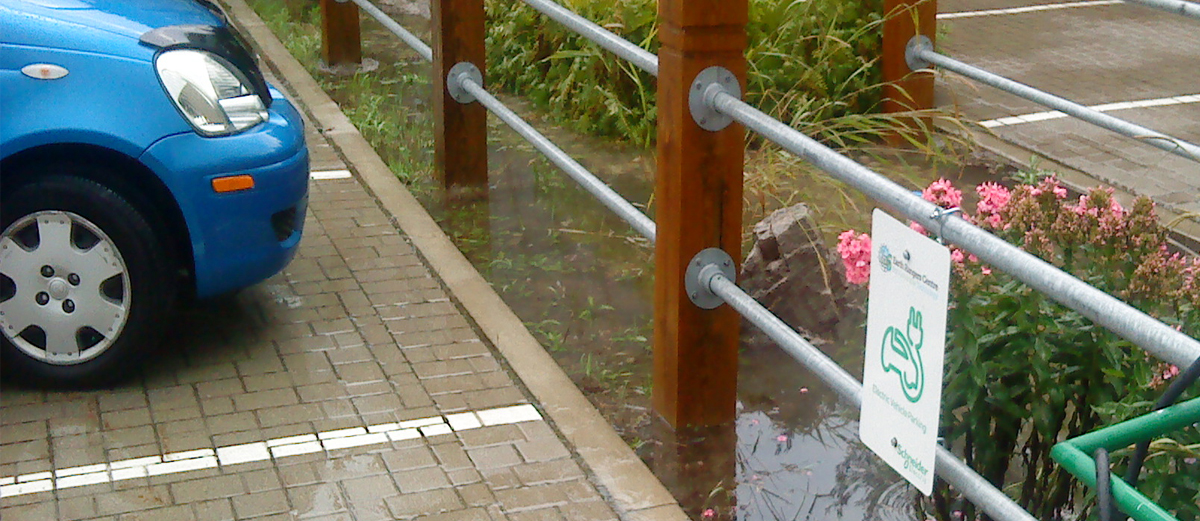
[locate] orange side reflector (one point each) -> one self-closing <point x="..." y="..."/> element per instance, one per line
<point x="233" y="183"/>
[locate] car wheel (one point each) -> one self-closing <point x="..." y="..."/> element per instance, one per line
<point x="85" y="284"/>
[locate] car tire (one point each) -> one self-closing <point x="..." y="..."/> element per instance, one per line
<point x="79" y="256"/>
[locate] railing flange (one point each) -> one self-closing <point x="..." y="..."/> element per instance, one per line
<point x="704" y="266"/>
<point x="912" y="52"/>
<point x="458" y="73"/>
<point x="704" y="89"/>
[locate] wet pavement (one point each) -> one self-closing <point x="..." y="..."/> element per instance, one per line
<point x="1143" y="63"/>
<point x="351" y="386"/>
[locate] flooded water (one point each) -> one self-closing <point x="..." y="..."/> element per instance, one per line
<point x="582" y="282"/>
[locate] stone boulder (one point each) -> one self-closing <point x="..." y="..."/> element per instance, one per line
<point x="792" y="272"/>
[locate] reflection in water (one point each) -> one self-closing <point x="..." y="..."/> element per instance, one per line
<point x="823" y="472"/>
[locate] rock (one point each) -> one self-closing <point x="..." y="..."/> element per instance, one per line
<point x="793" y="273"/>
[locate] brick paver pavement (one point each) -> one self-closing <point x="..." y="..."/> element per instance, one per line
<point x="348" y="387"/>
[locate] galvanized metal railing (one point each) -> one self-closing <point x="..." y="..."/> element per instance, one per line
<point x="470" y="82"/>
<point x="1130" y="323"/>
<point x="921" y="55"/>
<point x="715" y="102"/>
<point x="1181" y="7"/>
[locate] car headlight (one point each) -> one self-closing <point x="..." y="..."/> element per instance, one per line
<point x="213" y="96"/>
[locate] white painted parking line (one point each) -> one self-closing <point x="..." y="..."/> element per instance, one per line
<point x="34" y="477"/>
<point x="1027" y="9"/>
<point x="342" y="433"/>
<point x="1107" y="107"/>
<point x="291" y="440"/>
<point x="406" y="434"/>
<point x="436" y="430"/>
<point x="81" y="480"/>
<point x="191" y="454"/>
<point x="246" y="453"/>
<point x="505" y="415"/>
<point x="123" y="474"/>
<point x="187" y="461"/>
<point x="345" y="442"/>
<point x="26" y="488"/>
<point x="464" y="421"/>
<point x="330" y="174"/>
<point x="296" y="449"/>
<point x="135" y="462"/>
<point x="86" y="469"/>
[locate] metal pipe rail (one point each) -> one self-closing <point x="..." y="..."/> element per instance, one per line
<point x="1123" y="319"/>
<point x="976" y="489"/>
<point x="621" y="47"/>
<point x="409" y="38"/>
<point x="1181" y="7"/>
<point x="1130" y="323"/>
<point x="607" y="196"/>
<point x="920" y="50"/>
<point x="587" y="180"/>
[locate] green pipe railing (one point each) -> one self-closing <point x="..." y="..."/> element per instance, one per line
<point x="1075" y="454"/>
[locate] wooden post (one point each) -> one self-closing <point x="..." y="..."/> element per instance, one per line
<point x="341" y="44"/>
<point x="460" y="133"/>
<point x="903" y="89"/>
<point x="699" y="205"/>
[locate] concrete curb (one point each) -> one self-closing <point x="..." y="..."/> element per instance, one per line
<point x="634" y="492"/>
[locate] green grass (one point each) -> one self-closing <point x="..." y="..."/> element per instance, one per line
<point x="379" y="103"/>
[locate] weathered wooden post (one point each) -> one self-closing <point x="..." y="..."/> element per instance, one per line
<point x="460" y="133"/>
<point x="341" y="44"/>
<point x="905" y="90"/>
<point x="699" y="205"/>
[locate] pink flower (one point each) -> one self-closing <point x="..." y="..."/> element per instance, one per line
<point x="916" y="227"/>
<point x="803" y="390"/>
<point x="1163" y="373"/>
<point x="992" y="198"/>
<point x="856" y="256"/>
<point x="943" y="193"/>
<point x="782" y="438"/>
<point x="709" y="513"/>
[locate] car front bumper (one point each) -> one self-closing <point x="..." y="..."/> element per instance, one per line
<point x="239" y="238"/>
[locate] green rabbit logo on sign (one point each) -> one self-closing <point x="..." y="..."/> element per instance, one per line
<point x="901" y="354"/>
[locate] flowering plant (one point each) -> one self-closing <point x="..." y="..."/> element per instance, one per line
<point x="1024" y="372"/>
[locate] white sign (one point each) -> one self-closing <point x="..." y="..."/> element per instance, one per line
<point x="906" y="342"/>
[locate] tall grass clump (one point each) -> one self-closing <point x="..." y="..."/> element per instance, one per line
<point x="809" y="61"/>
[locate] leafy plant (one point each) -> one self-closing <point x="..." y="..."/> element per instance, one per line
<point x="810" y="63"/>
<point x="1024" y="372"/>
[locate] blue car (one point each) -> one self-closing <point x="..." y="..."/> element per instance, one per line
<point x="143" y="159"/>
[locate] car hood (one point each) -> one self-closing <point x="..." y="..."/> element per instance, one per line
<point x="103" y="26"/>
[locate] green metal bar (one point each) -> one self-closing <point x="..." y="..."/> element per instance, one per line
<point x="1132" y="502"/>
<point x="1143" y="427"/>
<point x="1074" y="454"/>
